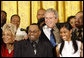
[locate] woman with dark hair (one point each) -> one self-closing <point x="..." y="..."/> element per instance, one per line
<point x="71" y="20"/>
<point x="69" y="47"/>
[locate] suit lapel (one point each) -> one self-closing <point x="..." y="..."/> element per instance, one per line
<point x="56" y="34"/>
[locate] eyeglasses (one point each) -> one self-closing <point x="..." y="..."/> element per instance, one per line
<point x="33" y="31"/>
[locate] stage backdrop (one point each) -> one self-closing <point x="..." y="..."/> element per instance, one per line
<point x="27" y="10"/>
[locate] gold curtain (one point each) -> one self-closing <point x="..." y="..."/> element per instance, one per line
<point x="27" y="10"/>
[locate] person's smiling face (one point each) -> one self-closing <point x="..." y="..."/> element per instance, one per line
<point x="65" y="34"/>
<point x="34" y="32"/>
<point x="7" y="37"/>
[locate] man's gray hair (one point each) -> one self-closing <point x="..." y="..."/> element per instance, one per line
<point x="52" y="10"/>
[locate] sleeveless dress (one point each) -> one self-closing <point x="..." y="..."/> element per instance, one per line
<point x="68" y="49"/>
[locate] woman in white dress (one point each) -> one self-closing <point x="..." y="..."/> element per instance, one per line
<point x="69" y="47"/>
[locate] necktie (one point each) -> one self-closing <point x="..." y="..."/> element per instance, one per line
<point x="52" y="39"/>
<point x="34" y="46"/>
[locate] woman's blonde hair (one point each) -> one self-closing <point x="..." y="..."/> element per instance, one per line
<point x="10" y="27"/>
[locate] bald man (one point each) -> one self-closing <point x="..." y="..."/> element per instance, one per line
<point x="40" y="13"/>
<point x="40" y="17"/>
<point x="79" y="19"/>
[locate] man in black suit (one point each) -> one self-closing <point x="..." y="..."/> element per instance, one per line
<point x="34" y="46"/>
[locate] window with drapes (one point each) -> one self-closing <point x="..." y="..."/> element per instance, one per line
<point x="27" y="10"/>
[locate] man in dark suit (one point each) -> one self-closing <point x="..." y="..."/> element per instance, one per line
<point x="79" y="25"/>
<point x="50" y="30"/>
<point x="34" y="46"/>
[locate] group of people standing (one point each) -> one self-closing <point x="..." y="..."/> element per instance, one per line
<point x="47" y="38"/>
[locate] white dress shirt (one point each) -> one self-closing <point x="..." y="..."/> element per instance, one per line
<point x="20" y="35"/>
<point x="46" y="31"/>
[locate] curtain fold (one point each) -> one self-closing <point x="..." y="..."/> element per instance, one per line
<point x="27" y="10"/>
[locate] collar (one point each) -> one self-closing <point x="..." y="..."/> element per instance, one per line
<point x="34" y="41"/>
<point x="46" y="27"/>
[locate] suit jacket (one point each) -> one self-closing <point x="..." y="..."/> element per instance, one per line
<point x="55" y="32"/>
<point x="79" y="35"/>
<point x="24" y="49"/>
